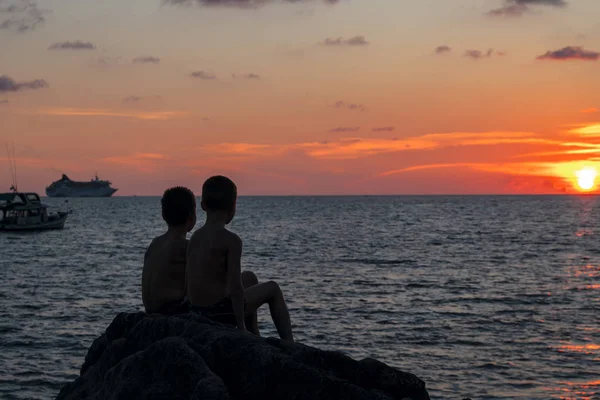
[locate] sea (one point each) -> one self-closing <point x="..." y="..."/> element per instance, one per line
<point x="487" y="297"/>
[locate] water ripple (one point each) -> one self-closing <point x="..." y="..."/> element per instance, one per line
<point x="482" y="297"/>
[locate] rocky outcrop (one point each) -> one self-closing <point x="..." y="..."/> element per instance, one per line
<point x="143" y="356"/>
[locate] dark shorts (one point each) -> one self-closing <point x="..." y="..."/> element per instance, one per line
<point x="221" y="311"/>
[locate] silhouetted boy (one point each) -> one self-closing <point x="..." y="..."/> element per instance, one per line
<point x="215" y="284"/>
<point x="163" y="277"/>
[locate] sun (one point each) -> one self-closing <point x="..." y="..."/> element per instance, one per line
<point x="586" y="178"/>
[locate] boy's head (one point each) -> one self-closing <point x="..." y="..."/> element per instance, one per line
<point x="179" y="207"/>
<point x="219" y="194"/>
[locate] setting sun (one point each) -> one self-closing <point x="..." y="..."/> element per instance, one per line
<point x="586" y="178"/>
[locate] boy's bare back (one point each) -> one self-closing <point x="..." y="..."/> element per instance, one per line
<point x="163" y="276"/>
<point x="207" y="273"/>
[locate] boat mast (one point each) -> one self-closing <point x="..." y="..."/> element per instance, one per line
<point x="13" y="167"/>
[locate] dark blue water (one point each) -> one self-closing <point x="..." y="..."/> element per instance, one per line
<point x="488" y="297"/>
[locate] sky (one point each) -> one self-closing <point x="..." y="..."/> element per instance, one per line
<point x="303" y="97"/>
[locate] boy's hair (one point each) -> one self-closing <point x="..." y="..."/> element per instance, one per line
<point x="219" y="193"/>
<point x="178" y="204"/>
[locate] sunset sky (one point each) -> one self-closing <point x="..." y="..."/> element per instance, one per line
<point x="302" y="97"/>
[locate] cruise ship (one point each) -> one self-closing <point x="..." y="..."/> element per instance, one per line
<point x="65" y="187"/>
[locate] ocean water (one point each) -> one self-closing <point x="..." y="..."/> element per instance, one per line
<point x="481" y="297"/>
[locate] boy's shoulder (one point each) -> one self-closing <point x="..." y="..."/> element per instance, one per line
<point x="234" y="238"/>
<point x="222" y="235"/>
<point x="151" y="246"/>
<point x="163" y="242"/>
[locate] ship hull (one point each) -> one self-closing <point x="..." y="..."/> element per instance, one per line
<point x="80" y="192"/>
<point x="42" y="226"/>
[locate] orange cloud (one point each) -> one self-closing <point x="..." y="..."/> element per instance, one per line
<point x="587" y="130"/>
<point x="143" y="115"/>
<point x="152" y="156"/>
<point x="349" y="148"/>
<point x="429" y="166"/>
<point x="591" y="110"/>
<point x="563" y="173"/>
<point x="244" y="149"/>
<point x="536" y="169"/>
<point x="582" y="149"/>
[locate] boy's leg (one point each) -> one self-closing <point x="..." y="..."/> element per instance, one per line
<point x="270" y="293"/>
<point x="250" y="279"/>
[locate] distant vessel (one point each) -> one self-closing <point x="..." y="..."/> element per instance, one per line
<point x="25" y="212"/>
<point x="65" y="187"/>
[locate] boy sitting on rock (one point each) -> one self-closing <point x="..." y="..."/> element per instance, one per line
<point x="215" y="283"/>
<point x="163" y="276"/>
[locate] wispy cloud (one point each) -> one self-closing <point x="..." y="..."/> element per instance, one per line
<point x="590" y="110"/>
<point x="443" y="49"/>
<point x="349" y="106"/>
<point x="351" y="148"/>
<point x="142" y="115"/>
<point x="548" y="177"/>
<point x="384" y="129"/>
<point x="558" y="167"/>
<point x="21" y="15"/>
<point x="137" y="99"/>
<point x="251" y="76"/>
<point x="132" y="99"/>
<point x="517" y="8"/>
<point x="341" y="129"/>
<point x="246" y="149"/>
<point x="75" y="45"/>
<point x="203" y="75"/>
<point x="146" y="60"/>
<point x="566" y="152"/>
<point x="478" y="54"/>
<point x="432" y="166"/>
<point x="7" y="84"/>
<point x="587" y="130"/>
<point x="353" y="41"/>
<point x="571" y="53"/>
<point x="141" y="156"/>
<point x="106" y="61"/>
<point x="237" y="3"/>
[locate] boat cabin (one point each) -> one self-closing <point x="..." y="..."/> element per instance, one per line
<point x="22" y="208"/>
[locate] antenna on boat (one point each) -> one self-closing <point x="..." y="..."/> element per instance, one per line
<point x="12" y="163"/>
<point x="15" y="166"/>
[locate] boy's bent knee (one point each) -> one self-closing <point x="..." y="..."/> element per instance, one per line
<point x="274" y="287"/>
<point x="249" y="278"/>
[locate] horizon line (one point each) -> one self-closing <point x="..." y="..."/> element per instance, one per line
<point x="368" y="195"/>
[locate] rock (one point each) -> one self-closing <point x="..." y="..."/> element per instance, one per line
<point x="153" y="357"/>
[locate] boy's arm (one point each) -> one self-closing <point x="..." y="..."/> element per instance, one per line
<point x="148" y="249"/>
<point x="182" y="262"/>
<point x="234" y="271"/>
<point x="190" y="260"/>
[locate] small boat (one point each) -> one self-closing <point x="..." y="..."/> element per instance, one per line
<point x="25" y="212"/>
